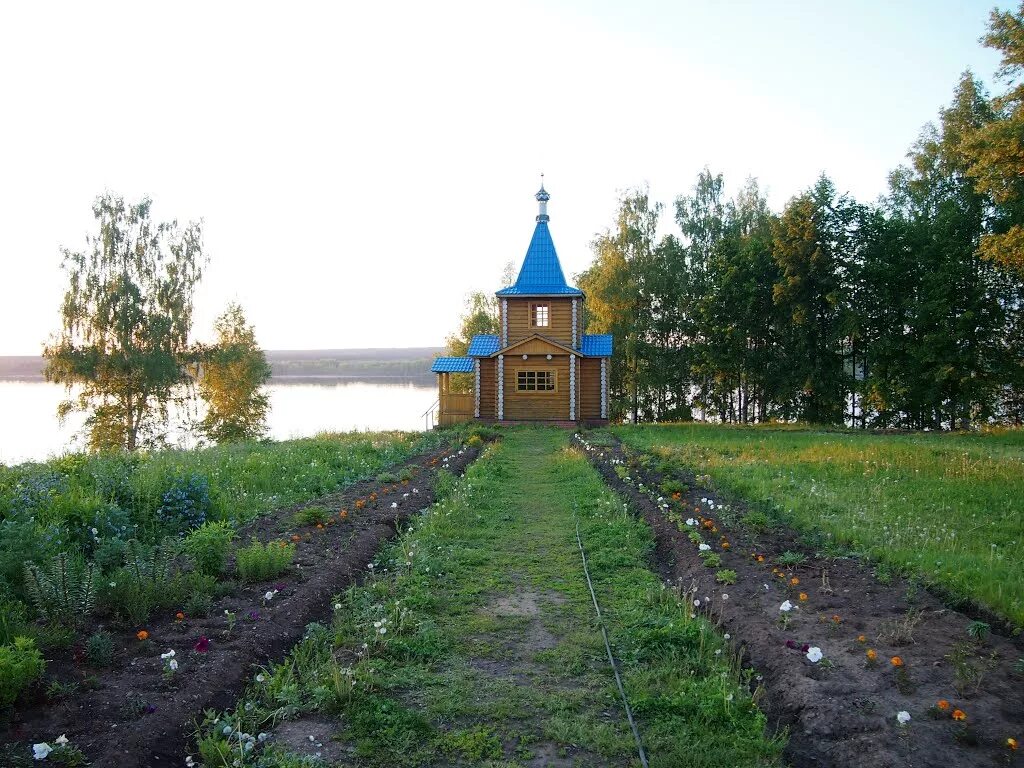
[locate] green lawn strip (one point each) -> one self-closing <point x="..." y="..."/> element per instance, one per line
<point x="946" y="508"/>
<point x="476" y="643"/>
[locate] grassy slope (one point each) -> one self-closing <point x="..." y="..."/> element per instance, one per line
<point x="492" y="654"/>
<point x="947" y="507"/>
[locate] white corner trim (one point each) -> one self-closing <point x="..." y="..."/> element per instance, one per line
<point x="501" y="387"/>
<point x="572" y="386"/>
<point x="504" y="323"/>
<point x="604" y="388"/>
<point x="476" y="387"/>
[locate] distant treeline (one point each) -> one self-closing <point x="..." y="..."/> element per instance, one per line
<point x="293" y="365"/>
<point x="905" y="313"/>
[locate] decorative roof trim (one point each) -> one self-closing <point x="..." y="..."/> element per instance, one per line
<point x="536" y="337"/>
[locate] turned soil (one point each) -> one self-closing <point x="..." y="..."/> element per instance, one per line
<point x="132" y="716"/>
<point x="841" y="711"/>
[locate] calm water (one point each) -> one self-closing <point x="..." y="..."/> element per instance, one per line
<point x="29" y="429"/>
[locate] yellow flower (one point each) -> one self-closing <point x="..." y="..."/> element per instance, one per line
<point x="1011" y="744"/>
<point x="871" y="654"/>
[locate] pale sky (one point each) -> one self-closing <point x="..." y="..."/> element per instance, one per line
<point x="360" y="167"/>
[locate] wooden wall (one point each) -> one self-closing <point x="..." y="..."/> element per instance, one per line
<point x="488" y="388"/>
<point x="560" y="317"/>
<point x="590" y="388"/>
<point x="537" y="405"/>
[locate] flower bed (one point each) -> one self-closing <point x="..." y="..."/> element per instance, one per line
<point x="860" y="672"/>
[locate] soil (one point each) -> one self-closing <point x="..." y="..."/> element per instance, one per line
<point x="840" y="711"/>
<point x="131" y="716"/>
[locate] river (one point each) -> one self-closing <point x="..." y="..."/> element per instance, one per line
<point x="30" y="431"/>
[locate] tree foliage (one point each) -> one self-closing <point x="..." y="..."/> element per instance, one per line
<point x="123" y="347"/>
<point x="231" y="378"/>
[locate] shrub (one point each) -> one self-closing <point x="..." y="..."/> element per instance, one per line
<point x="474" y="441"/>
<point x="21" y="540"/>
<point x="673" y="486"/>
<point x="208" y="546"/>
<point x="197" y="604"/>
<point x="13" y="620"/>
<point x="20" y="664"/>
<point x="260" y="562"/>
<point x="311" y="515"/>
<point x="406" y="474"/>
<point x="65" y="591"/>
<point x="99" y="649"/>
<point x="109" y="554"/>
<point x="387" y="478"/>
<point x="142" y="584"/>
<point x="791" y="558"/>
<point x="184" y="587"/>
<point x="726" y="576"/>
<point x="711" y="559"/>
<point x="756" y="520"/>
<point x="186" y="503"/>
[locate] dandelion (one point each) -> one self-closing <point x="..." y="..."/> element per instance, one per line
<point x="337" y="606"/>
<point x="903" y="717"/>
<point x="786" y="606"/>
<point x="942" y="705"/>
<point x="142" y="635"/>
<point x="261" y="678"/>
<point x="959" y="715"/>
<point x="814" y="654"/>
<point x="896" y="661"/>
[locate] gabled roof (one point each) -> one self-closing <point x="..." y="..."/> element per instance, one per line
<point x="541" y="273"/>
<point x="452" y="365"/>
<point x="597" y="345"/>
<point x="554" y="345"/>
<point x="483" y="344"/>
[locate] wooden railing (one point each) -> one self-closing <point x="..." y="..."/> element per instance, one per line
<point x="455" y="408"/>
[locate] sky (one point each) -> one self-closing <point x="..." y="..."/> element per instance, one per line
<point x="359" y="168"/>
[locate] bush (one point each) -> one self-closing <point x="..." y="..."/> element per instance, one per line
<point x="13" y="620"/>
<point x="261" y="562"/>
<point x="21" y="541"/>
<point x="208" y="546"/>
<point x="756" y="520"/>
<point x="673" y="486"/>
<point x="726" y="576"/>
<point x="65" y="591"/>
<point x="387" y="478"/>
<point x="134" y="591"/>
<point x="20" y="664"/>
<point x="185" y="504"/>
<point x="406" y="474"/>
<point x="312" y="516"/>
<point x="99" y="649"/>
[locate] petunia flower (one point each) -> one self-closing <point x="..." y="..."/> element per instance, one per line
<point x="41" y="750"/>
<point x="786" y="606"/>
<point x="814" y="654"/>
<point x="202" y="644"/>
<point x="704" y="547"/>
<point x="903" y="717"/>
<point x="61" y="740"/>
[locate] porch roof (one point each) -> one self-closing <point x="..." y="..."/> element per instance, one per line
<point x="452" y="365"/>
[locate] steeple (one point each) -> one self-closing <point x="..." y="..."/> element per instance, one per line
<point x="542" y="198"/>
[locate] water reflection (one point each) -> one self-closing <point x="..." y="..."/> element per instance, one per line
<point x="29" y="429"/>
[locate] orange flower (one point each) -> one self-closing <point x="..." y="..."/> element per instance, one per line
<point x="343" y="514"/>
<point x="861" y="639"/>
<point x="794" y="581"/>
<point x="360" y="503"/>
<point x="871" y="654"/>
<point x="896" y="661"/>
<point x="296" y="537"/>
<point x="677" y="496"/>
<point x="726" y="545"/>
<point x="835" y="618"/>
<point x="942" y="705"/>
<point x="373" y="496"/>
<point x="179" y="616"/>
<point x="760" y="558"/>
<point x="142" y="634"/>
<point x="320" y="526"/>
<point x="1011" y="744"/>
<point x="803" y="596"/>
<point x="959" y="714"/>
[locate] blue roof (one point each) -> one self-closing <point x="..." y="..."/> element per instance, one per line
<point x="483" y="344"/>
<point x="597" y="345"/>
<point x="541" y="274"/>
<point x="452" y="365"/>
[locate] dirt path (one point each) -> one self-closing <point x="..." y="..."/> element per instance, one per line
<point x="840" y="711"/>
<point x="133" y="716"/>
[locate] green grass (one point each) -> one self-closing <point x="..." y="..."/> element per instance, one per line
<point x="490" y="653"/>
<point x="947" y="508"/>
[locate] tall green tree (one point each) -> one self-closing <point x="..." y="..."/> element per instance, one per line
<point x="995" y="149"/>
<point x="232" y="375"/>
<point x="123" y="349"/>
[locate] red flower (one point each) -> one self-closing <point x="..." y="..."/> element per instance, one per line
<point x="202" y="645"/>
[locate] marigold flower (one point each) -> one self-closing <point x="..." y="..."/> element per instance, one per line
<point x="803" y="596"/>
<point x="836" y="618"/>
<point x="760" y="558"/>
<point x="896" y="661"/>
<point x="320" y="526"/>
<point x="343" y="514"/>
<point x="959" y="714"/>
<point x="726" y="545"/>
<point x="861" y="639"/>
<point x="296" y="537"/>
<point x="142" y="634"/>
<point x="871" y="654"/>
<point x="942" y="705"/>
<point x="1011" y="744"/>
<point x="179" y="616"/>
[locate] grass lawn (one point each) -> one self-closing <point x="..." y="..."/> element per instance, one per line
<point x="475" y="642"/>
<point x="947" y="508"/>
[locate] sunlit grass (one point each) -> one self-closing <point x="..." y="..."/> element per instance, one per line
<point x="948" y="508"/>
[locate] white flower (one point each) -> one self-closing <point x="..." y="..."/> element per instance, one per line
<point x="696" y="603"/>
<point x="394" y="505"/>
<point x="727" y="636"/>
<point x="704" y="547"/>
<point x="729" y="697"/>
<point x="113" y="583"/>
<point x="168" y="655"/>
<point x="725" y="596"/>
<point x="227" y="730"/>
<point x="786" y="606"/>
<point x="903" y="717"/>
<point x="189" y="762"/>
<point x="270" y="595"/>
<point x="41" y="750"/>
<point x="690" y="521"/>
<point x="61" y="740"/>
<point x="95" y="532"/>
<point x="260" y="677"/>
<point x="173" y="665"/>
<point x="814" y="654"/>
<point x="337" y="606"/>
